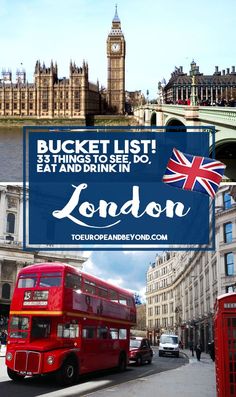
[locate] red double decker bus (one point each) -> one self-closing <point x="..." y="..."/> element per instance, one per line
<point x="67" y="322"/>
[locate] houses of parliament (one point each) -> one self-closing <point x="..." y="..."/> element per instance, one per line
<point x="74" y="97"/>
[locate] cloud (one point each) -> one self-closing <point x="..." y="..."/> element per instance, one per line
<point x="127" y="269"/>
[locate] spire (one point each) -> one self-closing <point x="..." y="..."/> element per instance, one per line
<point x="116" y="18"/>
<point x="116" y="25"/>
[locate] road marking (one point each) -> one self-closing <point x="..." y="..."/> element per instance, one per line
<point x="147" y="372"/>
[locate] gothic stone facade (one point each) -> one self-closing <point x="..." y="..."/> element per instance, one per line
<point x="50" y="96"/>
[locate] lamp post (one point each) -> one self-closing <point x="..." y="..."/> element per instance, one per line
<point x="193" y="96"/>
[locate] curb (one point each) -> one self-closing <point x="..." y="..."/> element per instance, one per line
<point x="185" y="354"/>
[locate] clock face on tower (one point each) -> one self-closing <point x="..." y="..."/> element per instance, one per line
<point x="115" y="47"/>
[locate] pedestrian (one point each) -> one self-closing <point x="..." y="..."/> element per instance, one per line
<point x="198" y="351"/>
<point x="3" y="338"/>
<point x="181" y="346"/>
<point x="191" y="347"/>
<point x="211" y="349"/>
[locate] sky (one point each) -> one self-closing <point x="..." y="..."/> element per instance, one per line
<point x="126" y="269"/>
<point x="159" y="36"/>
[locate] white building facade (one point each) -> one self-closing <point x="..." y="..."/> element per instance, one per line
<point x="182" y="286"/>
<point x="12" y="256"/>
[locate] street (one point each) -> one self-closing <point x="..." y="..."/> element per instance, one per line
<point x="45" y="386"/>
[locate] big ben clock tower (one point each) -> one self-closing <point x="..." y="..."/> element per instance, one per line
<point x="116" y="67"/>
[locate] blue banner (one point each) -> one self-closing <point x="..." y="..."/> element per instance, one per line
<point x="104" y="189"/>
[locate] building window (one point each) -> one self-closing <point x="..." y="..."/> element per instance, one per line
<point x="228" y="232"/>
<point x="164" y="309"/>
<point x="229" y="264"/>
<point x="157" y="310"/>
<point x="6" y="291"/>
<point x="150" y="312"/>
<point x="227" y="201"/>
<point x="10" y="223"/>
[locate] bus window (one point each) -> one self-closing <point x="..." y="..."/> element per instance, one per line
<point x="73" y="281"/>
<point x="19" y="327"/>
<point x="89" y="287"/>
<point x="50" y="279"/>
<point x="102" y="332"/>
<point x="130" y="302"/>
<point x="68" y="330"/>
<point x="103" y="292"/>
<point x="113" y="295"/>
<point x="40" y="327"/>
<point x="123" y="300"/>
<point x="27" y="281"/>
<point x="122" y="333"/>
<point x="89" y="332"/>
<point x="114" y="333"/>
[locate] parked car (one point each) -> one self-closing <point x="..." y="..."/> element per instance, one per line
<point x="140" y="351"/>
<point x="169" y="344"/>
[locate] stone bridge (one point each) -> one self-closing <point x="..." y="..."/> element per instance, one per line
<point x="223" y="118"/>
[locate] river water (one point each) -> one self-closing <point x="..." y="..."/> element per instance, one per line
<point x="11" y="154"/>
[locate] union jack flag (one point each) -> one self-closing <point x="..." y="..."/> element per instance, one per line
<point x="188" y="172"/>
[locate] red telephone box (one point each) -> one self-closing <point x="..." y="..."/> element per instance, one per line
<point x="225" y="345"/>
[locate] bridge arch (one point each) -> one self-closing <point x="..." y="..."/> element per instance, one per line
<point x="153" y="119"/>
<point x="175" y="123"/>
<point x="225" y="151"/>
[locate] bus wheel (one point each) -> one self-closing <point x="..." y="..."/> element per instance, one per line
<point x="14" y="375"/>
<point x="122" y="362"/>
<point x="67" y="374"/>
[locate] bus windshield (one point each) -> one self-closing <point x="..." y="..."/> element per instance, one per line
<point x="53" y="279"/>
<point x="40" y="327"/>
<point x="19" y="327"/>
<point x="27" y="281"/>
